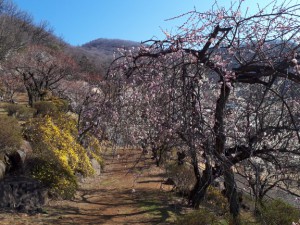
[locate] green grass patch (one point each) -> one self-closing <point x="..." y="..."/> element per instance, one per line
<point x="157" y="209"/>
<point x="152" y="208"/>
<point x="278" y="212"/>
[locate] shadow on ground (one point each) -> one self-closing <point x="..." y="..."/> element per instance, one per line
<point x="126" y="193"/>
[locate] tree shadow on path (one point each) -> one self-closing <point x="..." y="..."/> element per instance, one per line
<point x="126" y="193"/>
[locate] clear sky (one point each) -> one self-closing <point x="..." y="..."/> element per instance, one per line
<point x="80" y="21"/>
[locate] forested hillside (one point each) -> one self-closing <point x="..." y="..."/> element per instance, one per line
<point x="109" y="46"/>
<point x="97" y="55"/>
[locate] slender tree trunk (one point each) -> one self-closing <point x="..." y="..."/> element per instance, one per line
<point x="30" y="97"/>
<point x="202" y="181"/>
<point x="231" y="193"/>
<point x="230" y="185"/>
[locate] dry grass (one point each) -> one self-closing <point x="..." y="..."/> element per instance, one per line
<point x="21" y="98"/>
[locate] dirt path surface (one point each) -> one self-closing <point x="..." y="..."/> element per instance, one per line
<point x="125" y="193"/>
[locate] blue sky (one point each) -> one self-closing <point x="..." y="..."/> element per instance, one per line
<point x="80" y="21"/>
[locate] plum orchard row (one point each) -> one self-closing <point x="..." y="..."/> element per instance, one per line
<point x="224" y="88"/>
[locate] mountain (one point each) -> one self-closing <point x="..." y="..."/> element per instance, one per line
<point x="108" y="46"/>
<point x="98" y="54"/>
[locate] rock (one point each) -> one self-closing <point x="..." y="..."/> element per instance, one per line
<point x="16" y="162"/>
<point x="2" y="169"/>
<point x="26" y="148"/>
<point x="96" y="166"/>
<point x="22" y="155"/>
<point x="17" y="159"/>
<point x="22" y="194"/>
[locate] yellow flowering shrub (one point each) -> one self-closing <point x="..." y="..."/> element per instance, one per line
<point x="55" y="145"/>
<point x="61" y="182"/>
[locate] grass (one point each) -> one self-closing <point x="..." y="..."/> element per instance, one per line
<point x="276" y="213"/>
<point x="20" y="98"/>
<point x="2" y="110"/>
<point x="155" y="209"/>
<point x="156" y="206"/>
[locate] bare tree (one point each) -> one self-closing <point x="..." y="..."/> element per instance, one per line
<point x="17" y="29"/>
<point x="41" y="69"/>
<point x="10" y="85"/>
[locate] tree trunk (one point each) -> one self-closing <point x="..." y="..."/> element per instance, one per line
<point x="202" y="183"/>
<point x="32" y="96"/>
<point x="231" y="193"/>
<point x="199" y="190"/>
<point x="220" y="140"/>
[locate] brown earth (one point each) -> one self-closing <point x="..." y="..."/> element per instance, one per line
<point x="127" y="192"/>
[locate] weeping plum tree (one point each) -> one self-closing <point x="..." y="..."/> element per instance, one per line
<point x="222" y="87"/>
<point x="271" y="118"/>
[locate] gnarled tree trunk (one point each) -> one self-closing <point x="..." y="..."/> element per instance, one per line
<point x="220" y="140"/>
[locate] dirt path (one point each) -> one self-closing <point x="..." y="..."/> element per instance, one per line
<point x="123" y="194"/>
